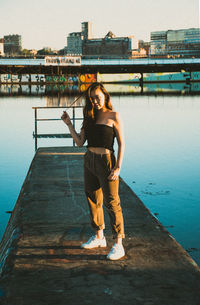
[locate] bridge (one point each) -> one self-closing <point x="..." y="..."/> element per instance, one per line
<point x="144" y="65"/>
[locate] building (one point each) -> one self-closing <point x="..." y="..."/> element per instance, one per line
<point x="74" y="43"/>
<point x="1" y="47"/>
<point x="176" y="43"/>
<point x="144" y="47"/>
<point x="75" y="39"/>
<point x="184" y="43"/>
<point x="83" y="43"/>
<point x="86" y="30"/>
<point x="109" y="47"/>
<point x="12" y="44"/>
<point x="33" y="52"/>
<point x="158" y="43"/>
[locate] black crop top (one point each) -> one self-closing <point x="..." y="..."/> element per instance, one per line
<point x="100" y="135"/>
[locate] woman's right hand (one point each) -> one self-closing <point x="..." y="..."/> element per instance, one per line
<point x="66" y="119"/>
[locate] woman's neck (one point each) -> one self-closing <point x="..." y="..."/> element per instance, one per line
<point x="102" y="110"/>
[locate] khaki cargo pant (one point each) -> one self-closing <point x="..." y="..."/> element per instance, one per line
<point x="99" y="189"/>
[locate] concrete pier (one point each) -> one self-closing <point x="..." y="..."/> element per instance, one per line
<point x="42" y="262"/>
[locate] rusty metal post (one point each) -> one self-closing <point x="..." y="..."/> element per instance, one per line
<point x="73" y="122"/>
<point x="141" y="82"/>
<point x="35" y="129"/>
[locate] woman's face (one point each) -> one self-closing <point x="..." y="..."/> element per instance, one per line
<point x="98" y="98"/>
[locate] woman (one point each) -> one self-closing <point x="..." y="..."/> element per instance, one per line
<point x="101" y="169"/>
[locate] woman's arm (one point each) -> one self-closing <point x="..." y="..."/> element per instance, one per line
<point x="78" y="138"/>
<point x="120" y="141"/>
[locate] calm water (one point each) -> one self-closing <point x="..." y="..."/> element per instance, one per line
<point x="161" y="162"/>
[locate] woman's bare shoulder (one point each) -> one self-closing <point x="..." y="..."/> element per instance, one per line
<point x="114" y="116"/>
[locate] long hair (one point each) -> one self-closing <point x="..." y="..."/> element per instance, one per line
<point x="89" y="111"/>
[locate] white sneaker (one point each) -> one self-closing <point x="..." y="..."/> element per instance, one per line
<point x="116" y="252"/>
<point x="94" y="242"/>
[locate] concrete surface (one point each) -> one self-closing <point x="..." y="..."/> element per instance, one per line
<point x="42" y="262"/>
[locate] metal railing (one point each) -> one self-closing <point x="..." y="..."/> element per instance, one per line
<point x="53" y="135"/>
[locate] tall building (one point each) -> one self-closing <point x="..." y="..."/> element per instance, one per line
<point x="75" y="39"/>
<point x="86" y="30"/>
<point x="176" y="43"/>
<point x="1" y="47"/>
<point x="12" y="44"/>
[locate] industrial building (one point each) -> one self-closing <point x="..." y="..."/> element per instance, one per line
<point x="109" y="47"/>
<point x="83" y="43"/>
<point x="12" y="44"/>
<point x="175" y="43"/>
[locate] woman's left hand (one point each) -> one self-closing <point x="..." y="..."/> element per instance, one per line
<point x="114" y="174"/>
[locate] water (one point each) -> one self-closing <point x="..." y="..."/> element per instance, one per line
<point x="161" y="161"/>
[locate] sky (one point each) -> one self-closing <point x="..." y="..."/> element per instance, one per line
<point x="46" y="23"/>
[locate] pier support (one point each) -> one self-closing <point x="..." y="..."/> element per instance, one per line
<point x="142" y="82"/>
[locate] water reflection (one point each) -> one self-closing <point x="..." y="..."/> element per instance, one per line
<point x="72" y="89"/>
<point x="161" y="162"/>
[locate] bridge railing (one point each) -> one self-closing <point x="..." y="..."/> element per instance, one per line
<point x="37" y="135"/>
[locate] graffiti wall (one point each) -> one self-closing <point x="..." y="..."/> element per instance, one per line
<point x="40" y="78"/>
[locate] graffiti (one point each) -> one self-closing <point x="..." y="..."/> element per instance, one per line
<point x="88" y="78"/>
<point x="40" y="78"/>
<point x="25" y="78"/>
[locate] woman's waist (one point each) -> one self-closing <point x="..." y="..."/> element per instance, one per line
<point x="100" y="150"/>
